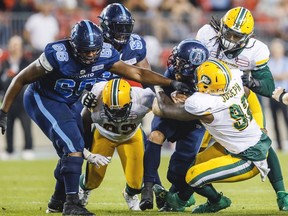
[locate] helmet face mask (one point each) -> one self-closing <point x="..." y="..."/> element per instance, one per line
<point x="117" y="100"/>
<point x="213" y="77"/>
<point x="236" y="28"/>
<point x="86" y="41"/>
<point x="117" y="24"/>
<point x="187" y="56"/>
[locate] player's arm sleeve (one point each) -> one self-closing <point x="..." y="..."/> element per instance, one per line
<point x="45" y="63"/>
<point x="98" y="88"/>
<point x="262" y="72"/>
<point x="201" y="34"/>
<point x="256" y="109"/>
<point x="197" y="106"/>
<point x="147" y="96"/>
<point x="265" y="78"/>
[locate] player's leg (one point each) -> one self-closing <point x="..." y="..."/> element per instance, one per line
<point x="63" y="126"/>
<point x="131" y="154"/>
<point x="183" y="157"/>
<point x="94" y="176"/>
<point x="152" y="157"/>
<point x="276" y="179"/>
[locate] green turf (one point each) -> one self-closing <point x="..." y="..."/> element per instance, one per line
<point x="26" y="186"/>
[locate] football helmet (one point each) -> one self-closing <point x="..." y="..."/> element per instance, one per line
<point x="117" y="24"/>
<point x="86" y="37"/>
<point x="117" y="100"/>
<point x="236" y="28"/>
<point x="187" y="56"/>
<point x="213" y="77"/>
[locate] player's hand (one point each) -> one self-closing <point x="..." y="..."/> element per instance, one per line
<point x="180" y="86"/>
<point x="249" y="81"/>
<point x="96" y="159"/>
<point x="3" y="121"/>
<point x="89" y="100"/>
<point x="179" y="97"/>
<point x="277" y="93"/>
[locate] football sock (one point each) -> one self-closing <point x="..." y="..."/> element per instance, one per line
<point x="275" y="174"/>
<point x="152" y="159"/>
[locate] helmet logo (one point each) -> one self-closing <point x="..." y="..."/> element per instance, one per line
<point x="197" y="56"/>
<point x="205" y="79"/>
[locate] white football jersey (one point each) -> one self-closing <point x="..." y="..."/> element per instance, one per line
<point x="254" y="56"/>
<point x="233" y="125"/>
<point x="142" y="100"/>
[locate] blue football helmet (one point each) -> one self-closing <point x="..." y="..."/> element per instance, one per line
<point x="86" y="37"/>
<point x="187" y="56"/>
<point x="117" y="24"/>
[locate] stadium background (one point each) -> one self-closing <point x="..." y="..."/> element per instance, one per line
<point x="163" y="24"/>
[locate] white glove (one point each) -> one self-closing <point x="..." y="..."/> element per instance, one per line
<point x="89" y="100"/>
<point x="96" y="159"/>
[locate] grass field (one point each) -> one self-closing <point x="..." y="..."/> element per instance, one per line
<point x="26" y="186"/>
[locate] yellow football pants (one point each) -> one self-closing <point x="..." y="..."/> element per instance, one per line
<point x="215" y="165"/>
<point x="131" y="154"/>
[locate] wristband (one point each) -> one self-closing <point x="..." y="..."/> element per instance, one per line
<point x="281" y="96"/>
<point x="158" y="89"/>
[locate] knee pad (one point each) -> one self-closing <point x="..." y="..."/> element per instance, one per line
<point x="71" y="165"/>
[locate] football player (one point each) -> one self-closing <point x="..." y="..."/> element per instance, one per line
<point x="183" y="61"/>
<point x="117" y="25"/>
<point x="231" y="40"/>
<point x="222" y="107"/>
<point x="57" y="79"/>
<point x="116" y="124"/>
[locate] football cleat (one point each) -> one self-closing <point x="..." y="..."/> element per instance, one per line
<point x="132" y="201"/>
<point x="54" y="206"/>
<point x="84" y="196"/>
<point x="160" y="194"/>
<point x="147" y="196"/>
<point x="75" y="209"/>
<point x="282" y="200"/>
<point x="209" y="207"/>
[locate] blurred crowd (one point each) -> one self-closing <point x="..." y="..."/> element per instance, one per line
<point x="164" y="22"/>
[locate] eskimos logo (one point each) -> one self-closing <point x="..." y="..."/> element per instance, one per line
<point x="205" y="79"/>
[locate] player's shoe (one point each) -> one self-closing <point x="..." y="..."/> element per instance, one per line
<point x="73" y="207"/>
<point x="209" y="207"/>
<point x="84" y="196"/>
<point x="147" y="196"/>
<point x="132" y="201"/>
<point x="54" y="205"/>
<point x="160" y="194"/>
<point x="282" y="200"/>
<point x="178" y="204"/>
<point x="166" y="208"/>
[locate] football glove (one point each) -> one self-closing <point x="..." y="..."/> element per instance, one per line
<point x="96" y="159"/>
<point x="249" y="81"/>
<point x="180" y="86"/>
<point x="3" y="121"/>
<point x="89" y="100"/>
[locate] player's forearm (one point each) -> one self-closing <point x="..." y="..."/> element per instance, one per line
<point x="266" y="82"/>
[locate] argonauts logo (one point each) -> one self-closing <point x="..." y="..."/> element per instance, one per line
<point x="197" y="56"/>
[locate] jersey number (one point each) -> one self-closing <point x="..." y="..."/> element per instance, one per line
<point x="241" y="114"/>
<point x="67" y="87"/>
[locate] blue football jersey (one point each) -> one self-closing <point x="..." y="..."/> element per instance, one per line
<point x="68" y="78"/>
<point x="132" y="52"/>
